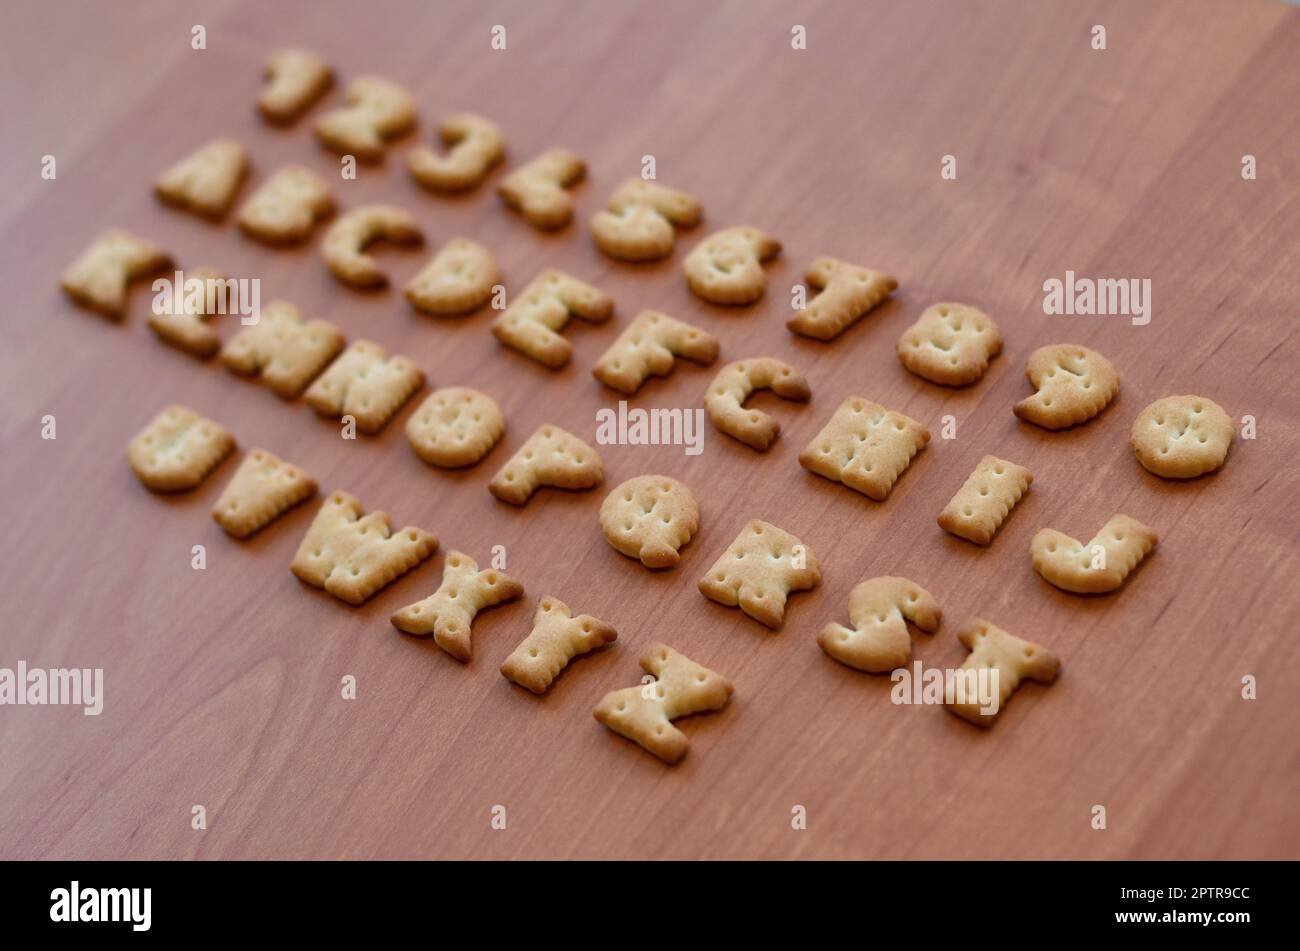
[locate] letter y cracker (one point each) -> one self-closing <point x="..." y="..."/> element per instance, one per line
<point x="648" y="347"/>
<point x="984" y="501"/>
<point x="449" y="612"/>
<point x="879" y="608"/>
<point x="865" y="446"/>
<point x="178" y="449"/>
<point x="1008" y="657"/>
<point x="1095" y="568"/>
<point x="261" y="490"/>
<point x="98" y="277"/>
<point x="557" y="637"/>
<point x="551" y="457"/>
<point x="759" y="570"/>
<point x="847" y="293"/>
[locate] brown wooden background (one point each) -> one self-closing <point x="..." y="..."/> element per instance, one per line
<point x="223" y="685"/>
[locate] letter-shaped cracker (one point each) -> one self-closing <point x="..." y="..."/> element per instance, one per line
<point x="295" y="79"/>
<point x="538" y="190"/>
<point x="377" y="109"/>
<point x="1182" y="437"/>
<point x="365" y="383"/>
<point x="1074" y="384"/>
<point x="950" y="344"/>
<point x="532" y="323"/>
<point x="286" y="207"/>
<point x="650" y="517"/>
<point x="346" y="240"/>
<point x="458" y="280"/>
<point x="727" y="266"/>
<point x="985" y="500"/>
<point x="1013" y="659"/>
<point x="639" y="221"/>
<point x="261" y="490"/>
<point x="726" y="395"/>
<point x="352" y="556"/>
<point x="644" y="714"/>
<point x="759" y="570"/>
<point x="455" y="426"/>
<point x="848" y="292"/>
<point x="474" y="145"/>
<point x="448" y="614"/>
<point x="647" y="348"/>
<point x="551" y="457"/>
<point x="205" y="181"/>
<point x="1095" y="568"/>
<point x="555" y="640"/>
<point x="286" y="352"/>
<point x="865" y="446"/>
<point x="98" y="277"/>
<point x="177" y="450"/>
<point x="879" y="608"/>
<point x="189" y="330"/>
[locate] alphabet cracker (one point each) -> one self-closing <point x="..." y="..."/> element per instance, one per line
<point x="879" y="609"/>
<point x="639" y="222"/>
<point x="283" y="350"/>
<point x="644" y="714"/>
<point x="538" y="190"/>
<point x="376" y="109"/>
<point x="648" y="347"/>
<point x="365" y="383"/>
<point x="352" y="556"/>
<point x="1182" y="437"/>
<point x="189" y="329"/>
<point x="650" y="518"/>
<point x="1014" y="660"/>
<point x="551" y="457"/>
<point x="206" y="180"/>
<point x="556" y="638"/>
<point x="98" y="277"/>
<point x="448" y="614"/>
<point x="531" y="324"/>
<point x="346" y="240"/>
<point x="458" y="280"/>
<point x="727" y="266"/>
<point x="1095" y="568"/>
<point x="847" y="293"/>
<point x="985" y="500"/>
<point x="474" y="146"/>
<point x="178" y="449"/>
<point x="1074" y="384"/>
<point x="285" y="209"/>
<point x="950" y="344"/>
<point x="261" y="490"/>
<point x="759" y="570"/>
<point x="295" y="79"/>
<point x="455" y="426"/>
<point x="865" y="446"/>
<point x="725" y="398"/>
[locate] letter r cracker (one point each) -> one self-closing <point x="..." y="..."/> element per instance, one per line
<point x="648" y="347"/>
<point x="758" y="571"/>
<point x="865" y="446"/>
<point x="532" y="322"/>
<point x="984" y="501"/>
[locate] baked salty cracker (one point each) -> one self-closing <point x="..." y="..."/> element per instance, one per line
<point x="726" y="395"/>
<point x="650" y="517"/>
<point x="648" y="347"/>
<point x="879" y="610"/>
<point x="539" y="189"/>
<point x="556" y="638"/>
<point x="458" y="279"/>
<point x="727" y="266"/>
<point x="206" y="180"/>
<point x="1012" y="659"/>
<point x="283" y="350"/>
<point x="552" y="457"/>
<point x="376" y="109"/>
<point x="474" y="146"/>
<point x="1097" y="567"/>
<point x="178" y="449"/>
<point x="532" y="322"/>
<point x="295" y="78"/>
<point x="759" y="570"/>
<point x="1073" y="385"/>
<point x="847" y="293"/>
<point x="950" y="344"/>
<point x="639" y="223"/>
<point x="448" y="614"/>
<point x="366" y="384"/>
<point x="985" y="500"/>
<point x="455" y="426"/>
<point x="346" y="240"/>
<point x="190" y="329"/>
<point x="865" y="446"/>
<point x="286" y="207"/>
<point x="261" y="490"/>
<point x="99" y="276"/>
<point x="1182" y="437"/>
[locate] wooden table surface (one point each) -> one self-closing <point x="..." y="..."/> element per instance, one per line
<point x="223" y="685"/>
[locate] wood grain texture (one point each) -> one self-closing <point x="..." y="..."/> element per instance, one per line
<point x="223" y="685"/>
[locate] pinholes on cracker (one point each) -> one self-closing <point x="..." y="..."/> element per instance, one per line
<point x="556" y="638"/>
<point x="458" y="280"/>
<point x="261" y="490"/>
<point x="650" y="518"/>
<point x="531" y="324"/>
<point x="286" y="207"/>
<point x="455" y="426"/>
<point x="551" y="457"/>
<point x="205" y="181"/>
<point x="758" y="571"/>
<point x="448" y="614"/>
<point x="189" y="330"/>
<point x="377" y="109"/>
<point x="1011" y="658"/>
<point x="295" y="78"/>
<point x="352" y="556"/>
<point x="639" y="222"/>
<point x="847" y="293"/>
<point x="346" y="240"/>
<point x="985" y="500"/>
<point x="727" y="266"/>
<point x="538" y="190"/>
<point x="1074" y="384"/>
<point x="474" y="145"/>
<point x="98" y="277"/>
<point x="1182" y="437"/>
<point x="865" y="446"/>
<point x="365" y="383"/>
<point x="950" y="344"/>
<point x="1095" y="568"/>
<point x="177" y="450"/>
<point x="647" y="348"/>
<point x="879" y="609"/>
<point x="644" y="714"/>
<point x="726" y="395"/>
<point x="283" y="350"/>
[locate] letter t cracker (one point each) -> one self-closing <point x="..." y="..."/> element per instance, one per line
<point x="449" y="612"/>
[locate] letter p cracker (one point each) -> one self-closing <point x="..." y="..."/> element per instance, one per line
<point x="551" y="457"/>
<point x="532" y="322"/>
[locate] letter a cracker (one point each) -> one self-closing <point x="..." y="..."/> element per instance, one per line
<point x="758" y="571"/>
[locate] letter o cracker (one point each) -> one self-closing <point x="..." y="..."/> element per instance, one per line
<point x="295" y="78"/>
<point x="951" y="344"/>
<point x="640" y="220"/>
<point x="878" y="642"/>
<point x="1014" y="660"/>
<point x="1182" y="437"/>
<point x="1097" y="567"/>
<point x="1074" y="384"/>
<point x="865" y="447"/>
<point x="345" y="242"/>
<point x="727" y="266"/>
<point x="847" y="294"/>
<point x="178" y="449"/>
<point x="474" y="145"/>
<point x="726" y="395"/>
<point x="759" y="570"/>
<point x="205" y="181"/>
<point x="556" y="638"/>
<point x="458" y="280"/>
<point x="455" y="426"/>
<point x="550" y="457"/>
<point x="376" y="109"/>
<point x="538" y="189"/>
<point x="648" y="347"/>
<point x="287" y="206"/>
<point x="650" y="517"/>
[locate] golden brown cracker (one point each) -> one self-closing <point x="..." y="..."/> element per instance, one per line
<point x="206" y="180"/>
<point x="1014" y="660"/>
<point x="640" y="220"/>
<point x="189" y="328"/>
<point x="1182" y="437"/>
<point x="758" y="571"/>
<point x="261" y="490"/>
<point x="648" y="347"/>
<point x="346" y="240"/>
<point x="726" y="395"/>
<point x="556" y="638"/>
<point x="474" y="146"/>
<point x="1073" y="385"/>
<point x="376" y="109"/>
<point x="532" y="322"/>
<point x="458" y="279"/>
<point x="448" y="614"/>
<point x="366" y="384"/>
<point x="550" y="457"/>
<point x="283" y="350"/>
<point x="879" y="610"/>
<point x="650" y="517"/>
<point x="178" y="449"/>
<point x="847" y="293"/>
<point x="455" y="426"/>
<point x="1097" y="567"/>
<point x="286" y="207"/>
<point x="865" y="446"/>
<point x="539" y="189"/>
<point x="985" y="500"/>
<point x="950" y="344"/>
<point x="99" y="276"/>
<point x="295" y="78"/>
<point x="727" y="266"/>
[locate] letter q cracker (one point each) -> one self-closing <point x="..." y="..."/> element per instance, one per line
<point x="759" y="570"/>
<point x="951" y="344"/>
<point x="98" y="278"/>
<point x="551" y="457"/>
<point x="474" y="145"/>
<point x="262" y="489"/>
<point x="648" y="347"/>
<point x="377" y="109"/>
<point x="448" y="614"/>
<point x="1012" y="659"/>
<point x="640" y="220"/>
<point x="727" y="266"/>
<point x="365" y="383"/>
<point x="295" y="78"/>
<point x="557" y="637"/>
<point x="1073" y="385"/>
<point x="344" y="244"/>
<point x="847" y="293"/>
<point x="205" y="181"/>
<point x="532" y="322"/>
<point x="650" y="517"/>
<point x="985" y="500"/>
<point x="865" y="446"/>
<point x="726" y="395"/>
<point x="1182" y="437"/>
<point x="178" y="449"/>
<point x="1095" y="568"/>
<point x="538" y="190"/>
<point x="879" y="609"/>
